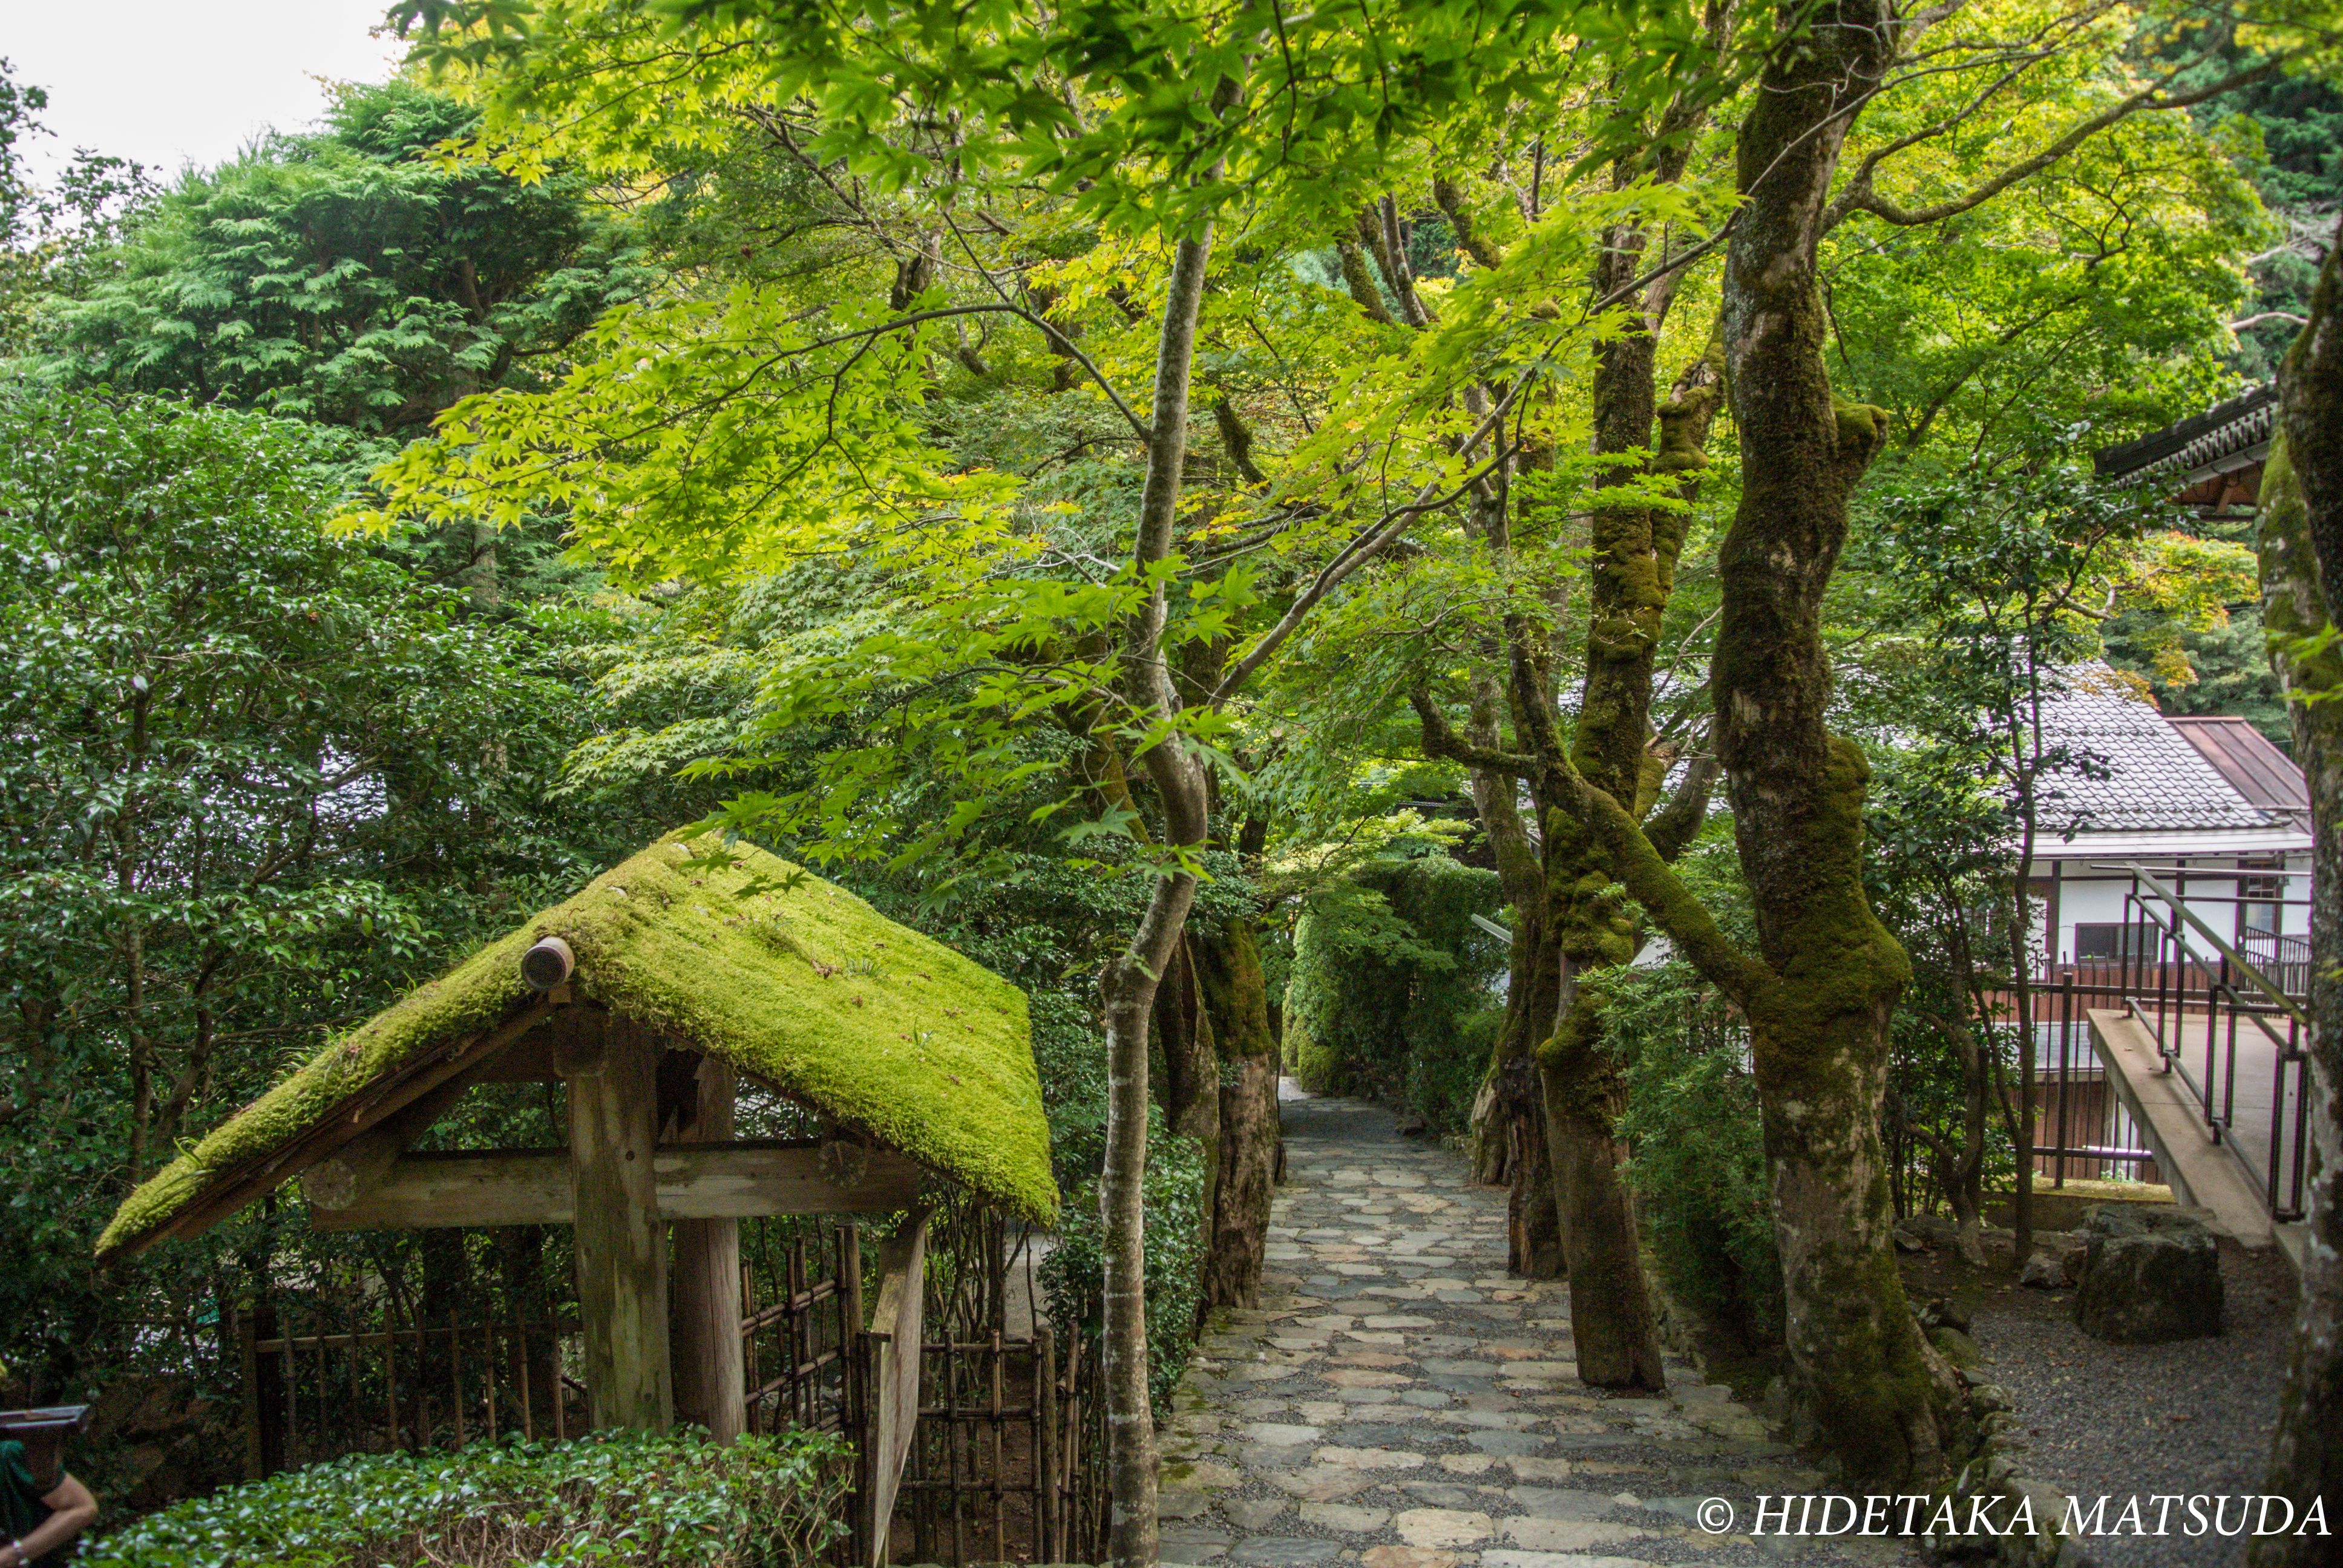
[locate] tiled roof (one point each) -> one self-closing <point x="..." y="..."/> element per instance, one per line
<point x="2227" y="436"/>
<point x="2154" y="781"/>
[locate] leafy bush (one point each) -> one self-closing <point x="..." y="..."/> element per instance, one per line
<point x="1390" y="995"/>
<point x="1699" y="1164"/>
<point x="612" y="1498"/>
<point x="1073" y="1276"/>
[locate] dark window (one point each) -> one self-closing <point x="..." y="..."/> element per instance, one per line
<point x="2257" y="901"/>
<point x="2114" y="944"/>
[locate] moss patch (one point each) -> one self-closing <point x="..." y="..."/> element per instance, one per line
<point x="811" y="990"/>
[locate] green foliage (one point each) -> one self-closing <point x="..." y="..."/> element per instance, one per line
<point x="1391" y="989"/>
<point x="1699" y="1168"/>
<point x="2297" y="118"/>
<point x="349" y="277"/>
<point x="2102" y="283"/>
<point x="55" y="240"/>
<point x="2221" y="667"/>
<point x="611" y="1498"/>
<point x="260" y="781"/>
<point x="1073" y="1276"/>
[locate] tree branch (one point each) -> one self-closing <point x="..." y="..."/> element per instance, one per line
<point x="1441" y="739"/>
<point x="1677" y="821"/>
<point x="1860" y="198"/>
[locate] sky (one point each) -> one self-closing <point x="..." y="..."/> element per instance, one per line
<point x="174" y="82"/>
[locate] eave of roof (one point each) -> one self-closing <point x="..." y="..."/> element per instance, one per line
<point x="2196" y="843"/>
<point x="2228" y="435"/>
<point x="916" y="1045"/>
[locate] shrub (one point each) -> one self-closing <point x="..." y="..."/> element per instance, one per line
<point x="611" y="1498"/>
<point x="1699" y="1164"/>
<point x="1073" y="1276"/>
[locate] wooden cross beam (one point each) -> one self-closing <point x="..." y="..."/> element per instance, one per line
<point x="714" y="1181"/>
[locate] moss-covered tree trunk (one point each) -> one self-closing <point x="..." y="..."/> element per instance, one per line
<point x="1227" y="966"/>
<point x="1819" y="1021"/>
<point x="2302" y="582"/>
<point x="1583" y="1078"/>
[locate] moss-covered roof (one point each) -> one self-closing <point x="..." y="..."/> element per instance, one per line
<point x="809" y="989"/>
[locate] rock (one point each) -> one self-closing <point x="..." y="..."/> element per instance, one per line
<point x="1944" y="1313"/>
<point x="1953" y="1346"/>
<point x="1432" y="1528"/>
<point x="1344" y="1518"/>
<point x="1253" y="1515"/>
<point x="1572" y="1535"/>
<point x="1919" y="1230"/>
<point x="2056" y="1263"/>
<point x="1408" y="1557"/>
<point x="1320" y="1484"/>
<point x="1368" y="1458"/>
<point x="1284" y="1551"/>
<point x="2150" y="1275"/>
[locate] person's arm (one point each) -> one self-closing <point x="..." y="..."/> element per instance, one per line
<point x="72" y="1509"/>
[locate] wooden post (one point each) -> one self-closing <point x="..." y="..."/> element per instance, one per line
<point x="266" y="1402"/>
<point x="248" y="1364"/>
<point x="1045" y="1444"/>
<point x="898" y="1322"/>
<point x="620" y="1240"/>
<point x="710" y="1382"/>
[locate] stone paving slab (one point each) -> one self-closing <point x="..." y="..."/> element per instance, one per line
<point x="1398" y="1402"/>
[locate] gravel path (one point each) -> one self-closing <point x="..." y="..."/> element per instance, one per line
<point x="2113" y="1420"/>
<point x="1398" y="1402"/>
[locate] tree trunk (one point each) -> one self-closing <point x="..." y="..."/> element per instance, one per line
<point x="1819" y="1020"/>
<point x="1514" y="1118"/>
<point x="1127" y="987"/>
<point x="2302" y="578"/>
<point x="1509" y="1123"/>
<point x="1227" y="967"/>
<point x="1585" y="1082"/>
<point x="1183" y="1033"/>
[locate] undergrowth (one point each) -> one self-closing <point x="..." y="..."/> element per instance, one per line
<point x="611" y="1498"/>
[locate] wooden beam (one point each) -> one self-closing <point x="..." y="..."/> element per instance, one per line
<point x="531" y="1187"/>
<point x="710" y="1377"/>
<point x="621" y="1243"/>
<point x="742" y="1181"/>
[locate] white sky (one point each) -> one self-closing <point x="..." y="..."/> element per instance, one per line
<point x="174" y="82"/>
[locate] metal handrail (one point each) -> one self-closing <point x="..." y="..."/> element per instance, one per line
<point x="2173" y="901"/>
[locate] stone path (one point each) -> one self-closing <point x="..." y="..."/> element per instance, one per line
<point x="1398" y="1402"/>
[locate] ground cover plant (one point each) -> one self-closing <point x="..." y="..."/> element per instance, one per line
<point x="611" y="1498"/>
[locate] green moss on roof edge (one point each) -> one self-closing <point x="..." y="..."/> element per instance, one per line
<point x="930" y="1052"/>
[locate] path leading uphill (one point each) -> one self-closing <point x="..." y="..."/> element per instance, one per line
<point x="1398" y="1402"/>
